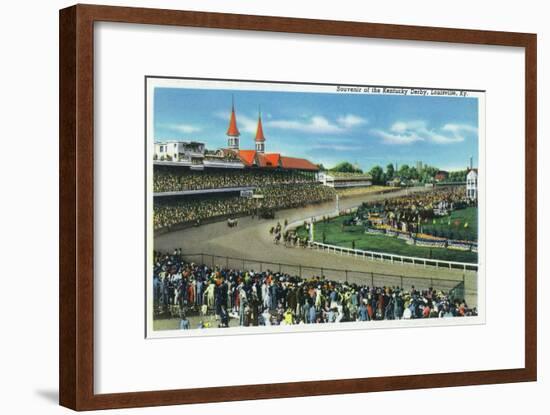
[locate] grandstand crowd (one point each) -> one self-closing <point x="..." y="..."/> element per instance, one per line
<point x="269" y="298"/>
<point x="168" y="179"/>
<point x="273" y="197"/>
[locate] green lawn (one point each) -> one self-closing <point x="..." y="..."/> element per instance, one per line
<point x="335" y="234"/>
<point x="456" y="229"/>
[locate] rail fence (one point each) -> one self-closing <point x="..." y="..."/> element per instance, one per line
<point x="393" y="258"/>
<point x="454" y="287"/>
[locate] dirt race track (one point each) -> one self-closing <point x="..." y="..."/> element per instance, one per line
<point x="251" y="240"/>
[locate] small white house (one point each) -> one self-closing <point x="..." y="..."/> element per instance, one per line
<point x="471" y="184"/>
<point x="191" y="151"/>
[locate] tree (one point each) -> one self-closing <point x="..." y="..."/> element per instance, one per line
<point x="458" y="176"/>
<point x="404" y="172"/>
<point x="346" y="167"/>
<point x="378" y="176"/>
<point x="390" y="171"/>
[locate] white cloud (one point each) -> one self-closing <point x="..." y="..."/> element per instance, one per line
<point x="408" y="132"/>
<point x="351" y="120"/>
<point x="337" y="147"/>
<point x="316" y="124"/>
<point x="182" y="128"/>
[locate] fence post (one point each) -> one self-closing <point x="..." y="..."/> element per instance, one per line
<point x="346" y="275"/>
<point x="372" y="279"/>
<point x="401" y="277"/>
<point x="300" y="268"/>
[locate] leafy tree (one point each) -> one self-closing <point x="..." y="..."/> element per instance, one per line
<point x="404" y="172"/>
<point x="458" y="176"/>
<point x="390" y="171"/>
<point x="378" y="176"/>
<point x="346" y="167"/>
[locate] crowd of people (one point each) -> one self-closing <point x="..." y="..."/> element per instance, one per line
<point x="269" y="298"/>
<point x="271" y="197"/>
<point x="166" y="179"/>
<point x="408" y="213"/>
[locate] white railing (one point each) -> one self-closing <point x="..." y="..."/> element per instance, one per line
<point x="399" y="259"/>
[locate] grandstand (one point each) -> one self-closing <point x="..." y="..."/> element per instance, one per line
<point x="178" y="179"/>
<point x="192" y="184"/>
<point x="205" y="206"/>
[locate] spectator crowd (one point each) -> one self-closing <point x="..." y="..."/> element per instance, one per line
<point x="408" y="213"/>
<point x="271" y="197"/>
<point x="166" y="179"/>
<point x="269" y="298"/>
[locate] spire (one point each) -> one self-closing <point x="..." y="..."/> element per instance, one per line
<point x="233" y="131"/>
<point x="260" y="131"/>
<point x="260" y="138"/>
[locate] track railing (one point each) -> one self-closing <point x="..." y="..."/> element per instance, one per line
<point x="393" y="258"/>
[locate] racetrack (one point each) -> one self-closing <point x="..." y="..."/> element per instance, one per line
<point x="251" y="240"/>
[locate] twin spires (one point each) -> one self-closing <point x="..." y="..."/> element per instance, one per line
<point x="233" y="132"/>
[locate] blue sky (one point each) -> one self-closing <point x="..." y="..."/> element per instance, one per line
<point x="328" y="127"/>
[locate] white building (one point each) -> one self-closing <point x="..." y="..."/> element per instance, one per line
<point x="345" y="180"/>
<point x="471" y="184"/>
<point x="190" y="151"/>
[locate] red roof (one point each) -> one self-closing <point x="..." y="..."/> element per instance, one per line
<point x="273" y="159"/>
<point x="268" y="160"/>
<point x="233" y="131"/>
<point x="260" y="131"/>
<point x="298" y="164"/>
<point x="247" y="157"/>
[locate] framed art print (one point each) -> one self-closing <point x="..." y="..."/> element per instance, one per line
<point x="283" y="207"/>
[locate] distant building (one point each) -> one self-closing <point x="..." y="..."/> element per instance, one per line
<point x="441" y="176"/>
<point x="471" y="184"/>
<point x="174" y="150"/>
<point x="340" y="180"/>
<point x="396" y="182"/>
